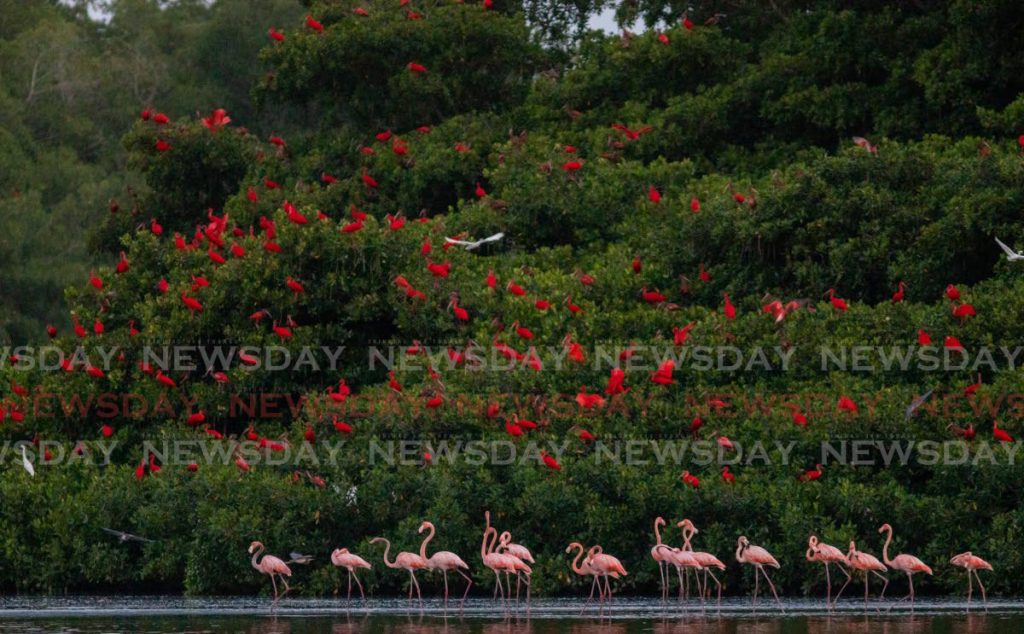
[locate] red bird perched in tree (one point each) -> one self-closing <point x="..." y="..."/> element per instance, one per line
<point x="550" y="462"/>
<point x="663" y="375"/>
<point x="512" y="429"/>
<point x="161" y="119"/>
<point x="967" y="433"/>
<point x="393" y="382"/>
<point x="368" y="180"/>
<point x="294" y="286"/>
<point x="361" y="12"/>
<point x="278" y="141"/>
<point x="395" y="222"/>
<point x="275" y="35"/>
<point x="952" y="292"/>
<point x="846" y="404"/>
<point x="572" y="166"/>
<point x="573" y="308"/>
<point x="694" y="205"/>
<point x="352" y="227"/>
<point x="923" y="338"/>
<point x="122" y="264"/>
<point x="215" y="257"/>
<point x="952" y="343"/>
<point x="963" y="311"/>
<point x="515" y="289"/>
<point x="95" y="282"/>
<point x="632" y="135"/>
<point x="155" y="227"/>
<point x="192" y="304"/>
<point x="460" y="313"/>
<point x="439" y="269"/>
<point x="652" y="297"/>
<point x="51" y="331"/>
<point x="312" y="23"/>
<point x="383" y="136"/>
<point x="703" y="275"/>
<point x="542" y="304"/>
<point x="161" y="145"/>
<point x="1000" y="434"/>
<point x="799" y="419"/>
<point x="293" y="213"/>
<point x="654" y="195"/>
<point x="217" y="120"/>
<point x="342" y="426"/>
<point x="637" y="264"/>
<point x="727" y="475"/>
<point x="480" y="191"/>
<point x="695" y="426"/>
<point x="897" y="297"/>
<point x="417" y="68"/>
<point x="837" y="303"/>
<point x="811" y="474"/>
<point x="327" y="179"/>
<point x="687" y="23"/>
<point x="728" y="308"/>
<point x="587" y="400"/>
<point x="523" y="332"/>
<point x="663" y="39"/>
<point x="690" y="479"/>
<point x="680" y="335"/>
<point x="615" y="382"/>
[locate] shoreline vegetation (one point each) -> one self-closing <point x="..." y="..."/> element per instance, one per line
<point x="773" y="226"/>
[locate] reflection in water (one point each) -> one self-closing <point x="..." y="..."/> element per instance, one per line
<point x="173" y="615"/>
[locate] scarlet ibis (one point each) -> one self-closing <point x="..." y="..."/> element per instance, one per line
<point x="963" y="311"/>
<point x="161" y="119"/>
<point x="395" y="222"/>
<point x="637" y="264"/>
<point x="278" y="141"/>
<point x="615" y="382"/>
<point x="542" y="304"/>
<point x="97" y="327"/>
<point x="166" y="380"/>
<point x="837" y="303"/>
<point x="654" y="195"/>
<point x="515" y="289"/>
<point x="846" y="404"/>
<point x="275" y="35"/>
<point x="724" y="442"/>
<point x="460" y="313"/>
<point x="632" y="135"/>
<point x="573" y="308"/>
<point x="237" y="250"/>
<point x="811" y="474"/>
<point x="572" y="166"/>
<point x="952" y="343"/>
<point x="663" y="39"/>
<point x="352" y="227"/>
<point x="295" y="286"/>
<point x="663" y="375"/>
<point x="155" y="227"/>
<point x="587" y="400"/>
<point x="192" y="304"/>
<point x="690" y="479"/>
<point x="967" y="433"/>
<point x="161" y="145"/>
<point x="694" y="205"/>
<point x="95" y="281"/>
<point x="687" y="23"/>
<point x="342" y="426"/>
<point x="1000" y="434"/>
<point x="393" y="382"/>
<point x="923" y="338"/>
<point x="702" y="274"/>
<point x="439" y="269"/>
<point x="361" y="12"/>
<point x="293" y="214"/>
<point x="550" y="462"/>
<point x="282" y="332"/>
<point x="525" y="333"/>
<point x="491" y="280"/>
<point x="309" y="435"/>
<point x="196" y="418"/>
<point x="215" y="257"/>
<point x="652" y="297"/>
<point x="512" y="429"/>
<point x="417" y="68"/>
<point x="727" y="476"/>
<point x="480" y="191"/>
<point x="728" y="308"/>
<point x="51" y="331"/>
<point x="680" y="335"/>
<point x="952" y="292"/>
<point x="897" y="297"/>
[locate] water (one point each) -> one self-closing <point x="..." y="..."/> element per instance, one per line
<point x="166" y="615"/>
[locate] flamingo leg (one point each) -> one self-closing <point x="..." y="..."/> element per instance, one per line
<point x="518" y="580"/>
<point x="608" y="588"/>
<point x="982" y="586"/>
<point x="664" y="588"/>
<point x="866" y="575"/>
<point x="970" y="588"/>
<point x="757" y="580"/>
<point x="469" y="584"/>
<point x="274" y="583"/>
<point x="849" y="578"/>
<point x="349" y="598"/>
<point x="445" y="571"/>
<point x="771" y="585"/>
<point x="717" y="582"/>
<point x="361" y="593"/>
<point x="417" y="584"/>
<point x="828" y="586"/>
<point x="497" y="586"/>
<point x="884" y="586"/>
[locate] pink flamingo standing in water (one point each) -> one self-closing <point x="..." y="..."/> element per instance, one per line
<point x="758" y="558"/>
<point x="868" y="564"/>
<point x="344" y="559"/>
<point x="661" y="556"/>
<point x="444" y="561"/>
<point x="824" y="553"/>
<point x="492" y="560"/>
<point x="972" y="564"/>
<point x="606" y="566"/>
<point x="518" y="564"/>
<point x="907" y="564"/>
<point x="270" y="565"/>
<point x="706" y="560"/>
<point x="406" y="561"/>
<point x="585" y="569"/>
<point x="682" y="560"/>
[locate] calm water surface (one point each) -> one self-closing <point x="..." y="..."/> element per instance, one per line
<point x="166" y="615"/>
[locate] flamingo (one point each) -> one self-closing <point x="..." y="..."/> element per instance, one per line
<point x="907" y="564"/>
<point x="868" y="564"/>
<point x="406" y="561"/>
<point x="521" y="555"/>
<point x="660" y="556"/>
<point x="270" y="565"/>
<point x="682" y="559"/>
<point x="606" y="566"/>
<point x="344" y="559"/>
<point x="972" y="564"/>
<point x="706" y="560"/>
<point x="585" y="569"/>
<point x="758" y="558"/>
<point x="824" y="553"/>
<point x="444" y="561"/>
<point x="492" y="560"/>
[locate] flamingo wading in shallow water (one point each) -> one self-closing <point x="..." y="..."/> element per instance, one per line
<point x="406" y="561"/>
<point x="606" y="566"/>
<point x="444" y="561"/>
<point x="659" y="555"/>
<point x="907" y="564"/>
<point x="707" y="561"/>
<point x="824" y="553"/>
<point x="868" y="564"/>
<point x="270" y="565"/>
<point x="344" y="559"/>
<point x="758" y="558"/>
<point x="585" y="569"/>
<point x="972" y="565"/>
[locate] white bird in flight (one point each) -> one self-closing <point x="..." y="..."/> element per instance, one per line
<point x="474" y="245"/>
<point x="1011" y="255"/>
<point x="25" y="462"/>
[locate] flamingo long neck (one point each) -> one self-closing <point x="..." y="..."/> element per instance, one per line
<point x="578" y="569"/>
<point x="423" y="546"/>
<point x="259" y="551"/>
<point x="739" y="553"/>
<point x="494" y="539"/>
<point x="483" y="542"/>
<point x="657" y="533"/>
<point x="387" y="548"/>
<point x="885" y="548"/>
<point x="687" y="536"/>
